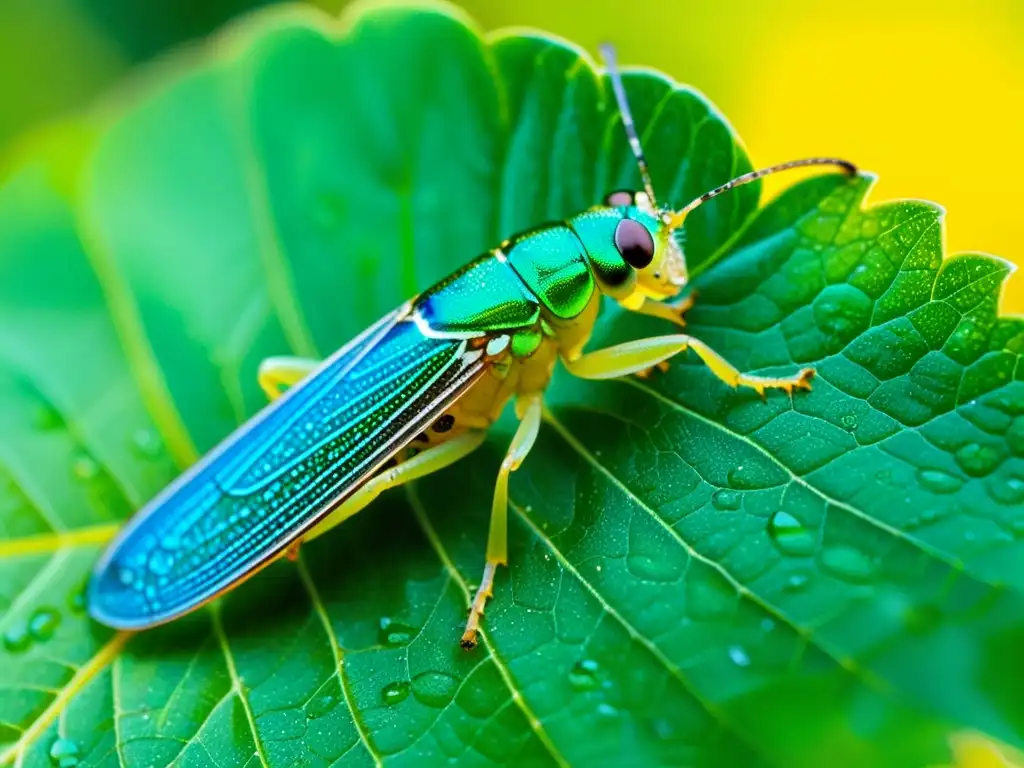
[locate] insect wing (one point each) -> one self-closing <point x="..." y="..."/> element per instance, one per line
<point x="277" y="476"/>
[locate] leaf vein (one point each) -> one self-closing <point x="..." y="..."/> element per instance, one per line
<point x="339" y="666"/>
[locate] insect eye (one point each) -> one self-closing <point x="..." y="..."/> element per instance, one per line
<point x="634" y="243"/>
<point x="618" y="199"/>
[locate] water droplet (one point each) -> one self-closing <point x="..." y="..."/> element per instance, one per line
<point x="76" y="601"/>
<point x="796" y="582"/>
<point x="767" y="625"/>
<point x="978" y="460"/>
<point x="660" y="569"/>
<point x="320" y="706"/>
<point x="84" y="467"/>
<point x="43" y="623"/>
<point x="848" y="563"/>
<point x="738" y="656"/>
<point x="583" y="675"/>
<point x="64" y="753"/>
<point x="790" y="535"/>
<point x="849" y="422"/>
<point x="394" y="634"/>
<point x="606" y="710"/>
<point x="726" y="500"/>
<point x="146" y="443"/>
<point x="746" y="477"/>
<point x="1007" y="490"/>
<point x="435" y="689"/>
<point x="394" y="693"/>
<point x="17" y="638"/>
<point x="937" y="481"/>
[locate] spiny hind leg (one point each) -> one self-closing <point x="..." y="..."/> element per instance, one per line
<point x="642" y="354"/>
<point x="529" y="409"/>
<point x="431" y="460"/>
<point x="278" y="374"/>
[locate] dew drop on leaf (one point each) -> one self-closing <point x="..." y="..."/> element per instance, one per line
<point x="929" y="515"/>
<point x="76" y="601"/>
<point x="64" y="753"/>
<point x="738" y="656"/>
<point x="790" y="535"/>
<point x="849" y="422"/>
<point x="17" y="638"/>
<point x="145" y="443"/>
<point x="660" y="569"/>
<point x="848" y="563"/>
<point x="43" y="623"/>
<point x="937" y="481"/>
<point x="796" y="582"/>
<point x="745" y="477"/>
<point x="606" y="710"/>
<point x="435" y="689"/>
<point x="84" y="467"/>
<point x="1006" y="490"/>
<point x="320" y="706"/>
<point x="977" y="460"/>
<point x="726" y="500"/>
<point x="394" y="634"/>
<point x="394" y="693"/>
<point x="583" y="675"/>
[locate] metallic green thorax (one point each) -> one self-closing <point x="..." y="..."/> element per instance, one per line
<point x="551" y="271"/>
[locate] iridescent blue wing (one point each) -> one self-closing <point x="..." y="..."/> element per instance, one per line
<point x="278" y="475"/>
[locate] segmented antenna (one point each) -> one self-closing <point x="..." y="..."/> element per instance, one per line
<point x="612" y="65"/>
<point x="677" y="218"/>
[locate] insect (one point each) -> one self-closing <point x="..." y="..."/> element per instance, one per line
<point x="413" y="394"/>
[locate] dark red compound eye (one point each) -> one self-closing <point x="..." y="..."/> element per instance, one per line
<point x="634" y="243"/>
<point x="618" y="199"/>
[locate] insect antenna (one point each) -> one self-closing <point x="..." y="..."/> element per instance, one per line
<point x="677" y="217"/>
<point x="612" y="65"/>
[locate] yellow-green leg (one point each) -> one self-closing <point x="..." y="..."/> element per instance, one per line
<point x="642" y="354"/>
<point x="529" y="411"/>
<point x="431" y="460"/>
<point x="277" y="374"/>
<point x="673" y="312"/>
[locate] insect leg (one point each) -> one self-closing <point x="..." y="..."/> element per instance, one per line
<point x="529" y="410"/>
<point x="633" y="356"/>
<point x="277" y="374"/>
<point x="673" y="312"/>
<point x="431" y="460"/>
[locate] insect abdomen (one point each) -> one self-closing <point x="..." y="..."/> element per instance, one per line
<point x="552" y="263"/>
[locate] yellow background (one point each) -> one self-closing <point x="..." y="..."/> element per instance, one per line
<point x="929" y="95"/>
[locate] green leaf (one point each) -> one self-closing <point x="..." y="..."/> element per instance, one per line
<point x="697" y="576"/>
